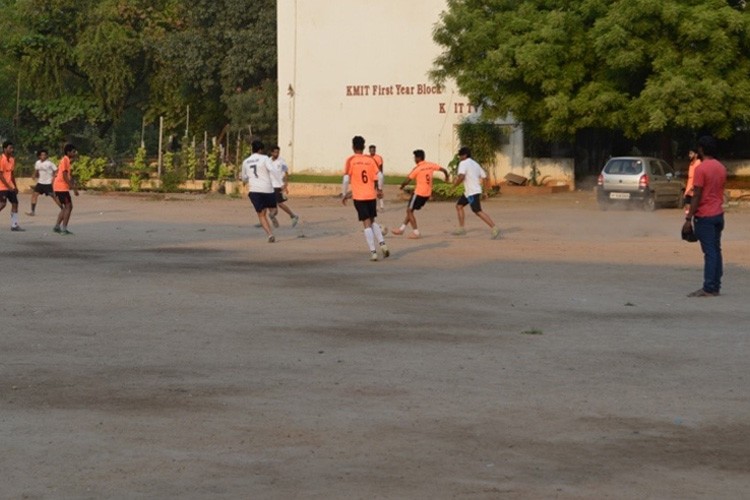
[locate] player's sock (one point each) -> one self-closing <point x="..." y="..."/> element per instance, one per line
<point x="416" y="232"/>
<point x="378" y="232"/>
<point x="370" y="237"/>
<point x="13" y="219"/>
<point x="402" y="228"/>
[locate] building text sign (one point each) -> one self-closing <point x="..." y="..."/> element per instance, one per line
<point x="420" y="89"/>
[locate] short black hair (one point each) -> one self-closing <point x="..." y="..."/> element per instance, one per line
<point x="68" y="148"/>
<point x="275" y="147"/>
<point x="257" y="146"/>
<point x="464" y="151"/>
<point x="373" y="146"/>
<point x="6" y="144"/>
<point x="358" y="142"/>
<point x="39" y="153"/>
<point x="707" y="145"/>
<point x="418" y="153"/>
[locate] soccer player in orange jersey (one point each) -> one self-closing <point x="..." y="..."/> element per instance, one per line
<point x="379" y="160"/>
<point x="362" y="173"/>
<point x="8" y="189"/>
<point x="422" y="172"/>
<point x="62" y="185"/>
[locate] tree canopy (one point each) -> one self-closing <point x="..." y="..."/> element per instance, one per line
<point x="94" y="69"/>
<point x="638" y="66"/>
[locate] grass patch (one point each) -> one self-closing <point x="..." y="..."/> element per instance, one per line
<point x="532" y="331"/>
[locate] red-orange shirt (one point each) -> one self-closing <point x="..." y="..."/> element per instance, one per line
<point x="363" y="172"/>
<point x="423" y="174"/>
<point x="691" y="176"/>
<point x="7" y="164"/>
<point x="710" y="176"/>
<point x="60" y="185"/>
<point x="379" y="160"/>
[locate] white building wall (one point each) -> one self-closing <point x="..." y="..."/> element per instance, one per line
<point x="359" y="67"/>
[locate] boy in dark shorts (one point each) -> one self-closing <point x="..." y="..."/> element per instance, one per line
<point x="472" y="175"/>
<point x="256" y="173"/>
<point x="44" y="173"/>
<point x="362" y="173"/>
<point x="423" y="173"/>
<point x="62" y="185"/>
<point x="8" y="189"/>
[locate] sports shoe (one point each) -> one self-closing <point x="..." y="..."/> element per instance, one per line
<point x="295" y="220"/>
<point x="274" y="221"/>
<point x="398" y="232"/>
<point x="65" y="232"/>
<point x="414" y="236"/>
<point x="57" y="229"/>
<point x="703" y="293"/>
<point x="258" y="225"/>
<point x="386" y="252"/>
<point x="373" y="256"/>
<point x="459" y="232"/>
<point x="272" y="239"/>
<point x="30" y="214"/>
<point x="495" y="233"/>
<point x="17" y="229"/>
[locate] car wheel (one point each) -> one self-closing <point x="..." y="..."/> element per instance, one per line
<point x="649" y="203"/>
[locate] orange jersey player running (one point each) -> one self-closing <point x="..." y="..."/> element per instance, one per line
<point x="62" y="185"/>
<point x="362" y="173"/>
<point x="8" y="189"/>
<point x="379" y="160"/>
<point x="423" y="173"/>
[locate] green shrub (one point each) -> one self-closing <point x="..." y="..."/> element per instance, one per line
<point x="86" y="168"/>
<point x="446" y="191"/>
<point x="139" y="170"/>
<point x="190" y="162"/>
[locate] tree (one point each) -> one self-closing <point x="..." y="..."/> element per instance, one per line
<point x="639" y="66"/>
<point x="223" y="61"/>
<point x="92" y="70"/>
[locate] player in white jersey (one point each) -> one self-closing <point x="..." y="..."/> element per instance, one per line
<point x="280" y="180"/>
<point x="472" y="175"/>
<point x="44" y="173"/>
<point x="256" y="173"/>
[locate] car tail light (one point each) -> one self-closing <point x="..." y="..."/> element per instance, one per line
<point x="600" y="181"/>
<point x="643" y="181"/>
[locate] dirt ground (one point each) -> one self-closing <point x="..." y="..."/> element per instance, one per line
<point x="167" y="351"/>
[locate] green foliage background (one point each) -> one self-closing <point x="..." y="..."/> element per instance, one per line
<point x="637" y="66"/>
<point x="93" y="72"/>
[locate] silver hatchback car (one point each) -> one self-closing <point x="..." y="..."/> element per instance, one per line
<point x="642" y="180"/>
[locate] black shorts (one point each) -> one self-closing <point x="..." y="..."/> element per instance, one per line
<point x="11" y="196"/>
<point x="280" y="196"/>
<point x="64" y="197"/>
<point x="474" y="200"/>
<point x="366" y="209"/>
<point x="416" y="202"/>
<point x="262" y="201"/>
<point x="45" y="189"/>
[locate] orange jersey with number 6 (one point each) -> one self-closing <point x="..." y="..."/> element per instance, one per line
<point x="363" y="172"/>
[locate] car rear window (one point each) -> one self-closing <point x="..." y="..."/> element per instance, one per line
<point x="624" y="167"/>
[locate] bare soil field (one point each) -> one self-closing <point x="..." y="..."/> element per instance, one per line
<point x="167" y="351"/>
